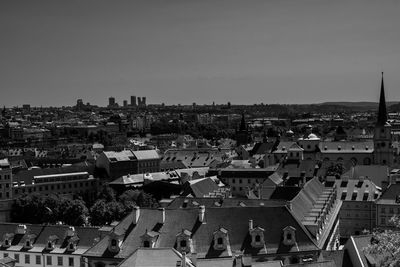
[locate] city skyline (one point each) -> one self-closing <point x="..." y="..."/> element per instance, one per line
<point x="286" y="52"/>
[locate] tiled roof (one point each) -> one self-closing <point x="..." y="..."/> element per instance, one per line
<point x="234" y="220"/>
<point x="155" y="257"/>
<point x="200" y="187"/>
<point x="85" y="237"/>
<point x="390" y="194"/>
<point x="183" y="202"/>
<point x="346" y="147"/>
<point x="146" y="154"/>
<point x="27" y="175"/>
<point x="376" y="173"/>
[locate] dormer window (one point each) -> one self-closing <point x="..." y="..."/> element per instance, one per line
<point x="221" y="239"/>
<point x="289" y="237"/>
<point x="184" y="241"/>
<point x="28" y="243"/>
<point x="257" y="237"/>
<point x="114" y="243"/>
<point x="6" y="243"/>
<point x="71" y="246"/>
<point x="49" y="245"/>
<point x="149" y="239"/>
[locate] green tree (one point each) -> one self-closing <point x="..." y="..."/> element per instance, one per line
<point x="385" y="245"/>
<point x="103" y="212"/>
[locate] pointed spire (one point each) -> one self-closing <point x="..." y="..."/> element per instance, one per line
<point x="382" y="113"/>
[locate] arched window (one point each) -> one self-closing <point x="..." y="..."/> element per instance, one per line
<point x="183" y="243"/>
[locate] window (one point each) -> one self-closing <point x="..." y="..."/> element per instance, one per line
<point x="16" y="257"/>
<point x="70" y="261"/>
<point x="289" y="236"/>
<point x="383" y="210"/>
<point x="146" y="244"/>
<point x="27" y="258"/>
<point x="383" y="220"/>
<point x="220" y="241"/>
<point x="59" y="261"/>
<point x="38" y="259"/>
<point x="5" y="255"/>
<point x="240" y="181"/>
<point x="113" y="242"/>
<point x="48" y="260"/>
<point x="258" y="238"/>
<point x="183" y="243"/>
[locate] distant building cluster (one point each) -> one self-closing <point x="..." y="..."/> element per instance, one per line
<point x="141" y="102"/>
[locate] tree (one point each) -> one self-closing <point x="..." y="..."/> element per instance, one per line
<point x="75" y="212"/>
<point x="385" y="245"/>
<point x="103" y="212"/>
<point x="336" y="170"/>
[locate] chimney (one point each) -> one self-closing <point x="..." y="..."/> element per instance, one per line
<point x="21" y="229"/>
<point x="250" y="225"/>
<point x="71" y="231"/>
<point x="202" y="211"/>
<point x="136" y="214"/>
<point x="162" y="215"/>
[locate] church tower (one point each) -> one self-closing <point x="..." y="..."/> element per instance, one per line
<point x="242" y="135"/>
<point x="383" y="154"/>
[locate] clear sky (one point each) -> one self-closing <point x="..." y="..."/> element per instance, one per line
<point x="184" y="51"/>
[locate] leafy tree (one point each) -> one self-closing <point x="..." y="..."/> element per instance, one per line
<point x="75" y="212"/>
<point x="336" y="170"/>
<point x="107" y="193"/>
<point x="385" y="245"/>
<point x="103" y="212"/>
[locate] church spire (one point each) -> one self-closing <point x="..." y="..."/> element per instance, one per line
<point x="382" y="113"/>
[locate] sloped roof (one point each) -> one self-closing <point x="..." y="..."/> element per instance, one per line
<point x="192" y="202"/>
<point x="146" y="154"/>
<point x="234" y="220"/>
<point x="390" y="194"/>
<point x="346" y="147"/>
<point x="376" y="173"/>
<point x="155" y="257"/>
<point x="200" y="187"/>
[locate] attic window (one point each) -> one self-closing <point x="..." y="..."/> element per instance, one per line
<point x="352" y="148"/>
<point x="339" y="148"/>
<point x="6" y="242"/>
<point x="49" y="245"/>
<point x="113" y="242"/>
<point x="183" y="243"/>
<point x="71" y="246"/>
<point x="28" y="243"/>
<point x="366" y="147"/>
<point x="146" y="244"/>
<point x="258" y="238"/>
<point x="220" y="241"/>
<point x="325" y="148"/>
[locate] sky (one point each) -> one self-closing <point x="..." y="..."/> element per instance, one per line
<point x="183" y="51"/>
